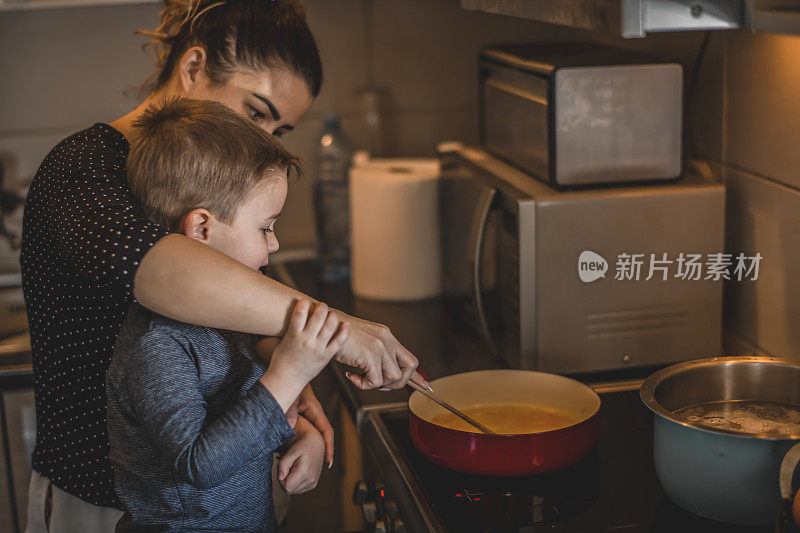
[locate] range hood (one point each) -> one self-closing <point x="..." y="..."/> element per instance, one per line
<point x="637" y="18"/>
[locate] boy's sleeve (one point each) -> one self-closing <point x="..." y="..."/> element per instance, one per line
<point x="101" y="228"/>
<point x="157" y="383"/>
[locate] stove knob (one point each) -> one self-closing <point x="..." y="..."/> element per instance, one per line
<point x="399" y="527"/>
<point x="391" y="508"/>
<point x="360" y="492"/>
<point x="380" y="527"/>
<point x="370" y="510"/>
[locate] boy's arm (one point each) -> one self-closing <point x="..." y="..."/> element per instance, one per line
<point x="307" y="403"/>
<point x="300" y="467"/>
<point x="158" y="385"/>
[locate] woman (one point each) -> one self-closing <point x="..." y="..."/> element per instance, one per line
<point x="88" y="250"/>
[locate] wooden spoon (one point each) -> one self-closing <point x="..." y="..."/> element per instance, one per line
<point x="464" y="417"/>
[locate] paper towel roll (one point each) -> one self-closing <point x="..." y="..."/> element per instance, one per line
<point x="395" y="248"/>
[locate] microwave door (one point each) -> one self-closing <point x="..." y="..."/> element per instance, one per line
<point x="478" y="242"/>
<point x="466" y="211"/>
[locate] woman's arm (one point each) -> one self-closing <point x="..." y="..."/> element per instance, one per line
<point x="188" y="281"/>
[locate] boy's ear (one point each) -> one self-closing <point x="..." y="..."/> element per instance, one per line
<point x="192" y="65"/>
<point x="196" y="224"/>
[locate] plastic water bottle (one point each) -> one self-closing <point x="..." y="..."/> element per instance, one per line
<point x="331" y="202"/>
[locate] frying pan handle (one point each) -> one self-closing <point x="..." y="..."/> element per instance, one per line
<point x="477" y="234"/>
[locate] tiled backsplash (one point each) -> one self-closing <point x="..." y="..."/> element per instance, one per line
<point x="66" y="69"/>
<point x="763" y="217"/>
<point x="762" y="170"/>
<point x="762" y="99"/>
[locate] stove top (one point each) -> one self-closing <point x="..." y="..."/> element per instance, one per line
<point x="613" y="489"/>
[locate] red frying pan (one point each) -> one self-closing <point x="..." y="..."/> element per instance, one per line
<point x="506" y="454"/>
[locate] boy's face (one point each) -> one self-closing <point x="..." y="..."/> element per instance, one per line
<point x="250" y="238"/>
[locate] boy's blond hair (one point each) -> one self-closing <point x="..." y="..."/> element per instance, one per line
<point x="193" y="154"/>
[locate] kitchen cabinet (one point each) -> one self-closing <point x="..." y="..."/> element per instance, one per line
<point x="773" y="16"/>
<point x="637" y="18"/>
<point x="20" y="429"/>
<point x="17" y="431"/>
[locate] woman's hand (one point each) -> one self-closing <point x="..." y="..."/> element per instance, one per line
<point x="383" y="361"/>
<point x="292" y="415"/>
<point x="309" y="407"/>
<point x="300" y="467"/>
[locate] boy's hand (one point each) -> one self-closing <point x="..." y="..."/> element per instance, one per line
<point x="308" y="345"/>
<point x="307" y="404"/>
<point x="300" y="467"/>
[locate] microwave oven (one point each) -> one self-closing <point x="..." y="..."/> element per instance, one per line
<point x="514" y="250"/>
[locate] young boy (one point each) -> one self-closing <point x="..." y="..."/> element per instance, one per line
<point x="193" y="416"/>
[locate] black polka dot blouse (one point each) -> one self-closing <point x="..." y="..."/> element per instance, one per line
<point x="83" y="238"/>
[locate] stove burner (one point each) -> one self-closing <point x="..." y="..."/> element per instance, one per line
<point x="506" y="510"/>
<point x="509" y="504"/>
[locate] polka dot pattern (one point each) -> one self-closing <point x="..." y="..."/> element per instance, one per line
<point x="84" y="236"/>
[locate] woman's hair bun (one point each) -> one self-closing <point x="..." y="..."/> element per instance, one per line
<point x="293" y="4"/>
<point x="252" y="33"/>
<point x="174" y="16"/>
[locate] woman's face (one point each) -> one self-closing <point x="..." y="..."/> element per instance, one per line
<point x="274" y="98"/>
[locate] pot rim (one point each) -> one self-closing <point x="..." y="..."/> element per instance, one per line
<point x="584" y="420"/>
<point x="465" y="433"/>
<point x="647" y="391"/>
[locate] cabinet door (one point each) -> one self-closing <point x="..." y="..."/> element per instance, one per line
<point x="6" y="521"/>
<point x="20" y="417"/>
<point x="625" y="18"/>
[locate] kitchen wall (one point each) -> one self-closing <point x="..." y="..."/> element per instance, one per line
<point x="65" y="69"/>
<point x="68" y="68"/>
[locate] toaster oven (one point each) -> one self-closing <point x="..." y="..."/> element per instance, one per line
<point x="535" y="269"/>
<point x="574" y="114"/>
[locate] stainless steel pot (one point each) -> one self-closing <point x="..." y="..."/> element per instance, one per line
<point x="722" y="474"/>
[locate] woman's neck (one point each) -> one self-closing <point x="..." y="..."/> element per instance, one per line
<point x="124" y="124"/>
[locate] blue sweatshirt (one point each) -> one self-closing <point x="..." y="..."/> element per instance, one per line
<point x="191" y="429"/>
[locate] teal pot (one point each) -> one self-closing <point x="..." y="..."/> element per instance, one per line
<point x="721" y="470"/>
